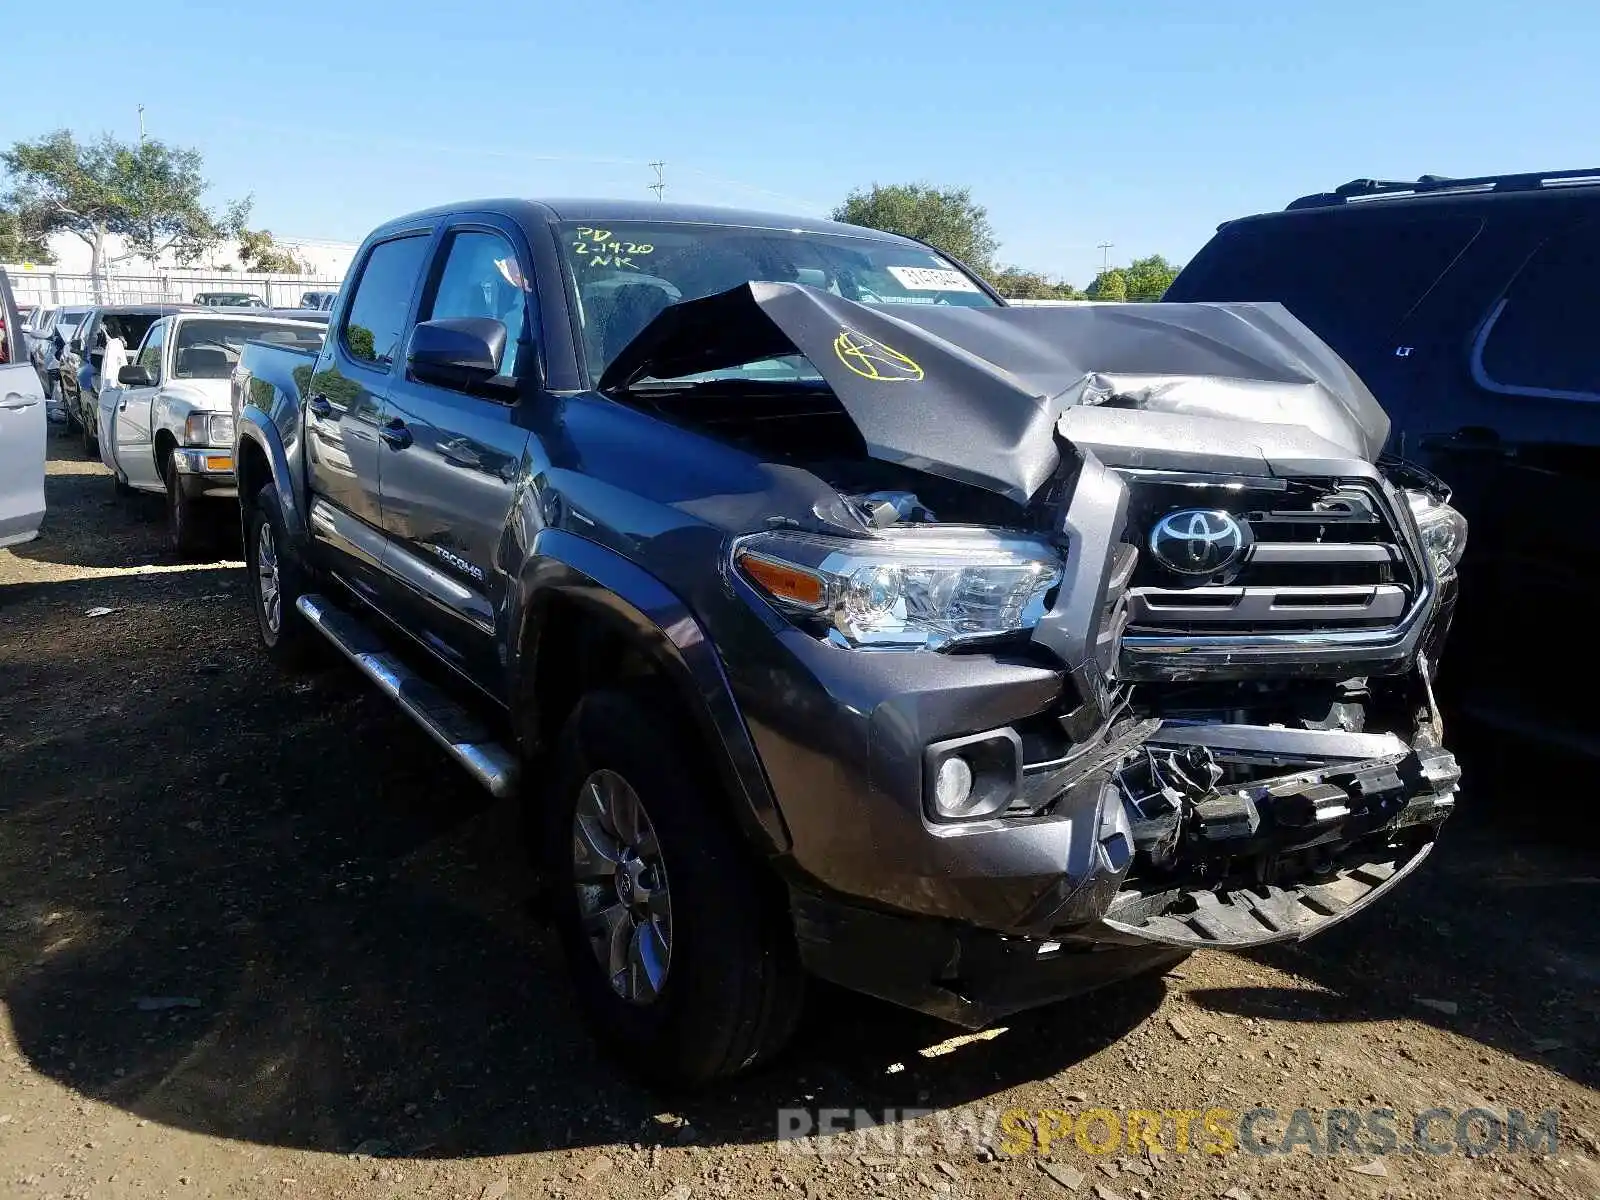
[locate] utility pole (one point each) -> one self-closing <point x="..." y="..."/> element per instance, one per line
<point x="141" y="124"/>
<point x="1105" y="256"/>
<point x="659" y="187"/>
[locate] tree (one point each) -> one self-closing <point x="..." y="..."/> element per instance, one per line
<point x="1148" y="278"/>
<point x="258" y="252"/>
<point x="20" y="242"/>
<point x="148" y="194"/>
<point x="1016" y="284"/>
<point x="943" y="217"/>
<point x="1109" y="285"/>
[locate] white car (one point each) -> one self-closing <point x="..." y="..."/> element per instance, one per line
<point x="22" y="430"/>
<point x="167" y="425"/>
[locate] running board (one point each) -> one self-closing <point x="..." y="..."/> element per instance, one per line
<point x="449" y="724"/>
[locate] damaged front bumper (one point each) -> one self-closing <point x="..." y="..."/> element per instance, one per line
<point x="1164" y="857"/>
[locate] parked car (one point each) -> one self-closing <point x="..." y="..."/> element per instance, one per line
<point x="81" y="359"/>
<point x="57" y="327"/>
<point x="167" y="426"/>
<point x="229" y="300"/>
<point x="22" y="430"/>
<point x="317" y="300"/>
<point x="843" y="619"/>
<point x="1470" y="308"/>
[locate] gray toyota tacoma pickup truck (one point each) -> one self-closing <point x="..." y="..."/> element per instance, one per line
<point x="830" y="617"/>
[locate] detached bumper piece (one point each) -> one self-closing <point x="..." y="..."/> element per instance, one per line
<point x="1277" y="858"/>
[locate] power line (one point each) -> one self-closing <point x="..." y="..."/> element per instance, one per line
<point x="659" y="187"/>
<point x="1105" y="255"/>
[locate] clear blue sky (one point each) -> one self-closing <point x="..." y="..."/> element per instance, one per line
<point x="1142" y="124"/>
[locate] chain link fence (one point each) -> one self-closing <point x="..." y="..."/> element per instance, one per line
<point x="46" y="286"/>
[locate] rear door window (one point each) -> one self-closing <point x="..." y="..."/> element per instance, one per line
<point x="1543" y="338"/>
<point x="1352" y="279"/>
<point x="376" y="317"/>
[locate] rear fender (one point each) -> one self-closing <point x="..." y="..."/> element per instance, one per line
<point x="256" y="428"/>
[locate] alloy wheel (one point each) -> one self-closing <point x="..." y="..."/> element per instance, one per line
<point x="267" y="579"/>
<point x="623" y="901"/>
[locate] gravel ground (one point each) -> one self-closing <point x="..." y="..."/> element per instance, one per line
<point x="257" y="938"/>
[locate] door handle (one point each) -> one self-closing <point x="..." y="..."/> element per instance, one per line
<point x="395" y="434"/>
<point x="318" y="404"/>
<point x="16" y="402"/>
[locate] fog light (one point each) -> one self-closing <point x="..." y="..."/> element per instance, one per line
<point x="952" y="787"/>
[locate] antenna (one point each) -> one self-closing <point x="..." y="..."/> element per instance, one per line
<point x="1105" y="255"/>
<point x="659" y="187"/>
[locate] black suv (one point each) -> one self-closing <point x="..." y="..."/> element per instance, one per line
<point x="1471" y="307"/>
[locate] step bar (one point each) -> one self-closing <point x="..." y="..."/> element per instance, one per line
<point x="445" y="720"/>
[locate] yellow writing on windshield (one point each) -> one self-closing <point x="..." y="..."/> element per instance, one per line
<point x="597" y="248"/>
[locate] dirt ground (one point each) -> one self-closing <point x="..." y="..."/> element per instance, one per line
<point x="258" y="938"/>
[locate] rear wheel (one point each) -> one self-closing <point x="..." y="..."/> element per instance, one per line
<point x="678" y="944"/>
<point x="276" y="582"/>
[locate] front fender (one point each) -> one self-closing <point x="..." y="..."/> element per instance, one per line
<point x="625" y="593"/>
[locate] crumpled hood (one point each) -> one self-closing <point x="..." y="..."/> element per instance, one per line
<point x="976" y="394"/>
<point x="202" y="395"/>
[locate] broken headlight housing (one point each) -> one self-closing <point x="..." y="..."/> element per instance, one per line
<point x="909" y="588"/>
<point x="1443" y="529"/>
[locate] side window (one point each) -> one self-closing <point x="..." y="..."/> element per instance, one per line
<point x="376" y="318"/>
<point x="1351" y="276"/>
<point x="150" y="352"/>
<point x="1546" y="336"/>
<point x="481" y="279"/>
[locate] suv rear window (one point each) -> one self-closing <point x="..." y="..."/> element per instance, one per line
<point x="1352" y="279"/>
<point x="1545" y="336"/>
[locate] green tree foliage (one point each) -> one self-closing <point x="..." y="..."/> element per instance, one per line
<point x="944" y="217"/>
<point x="258" y="252"/>
<point x="20" y="242"/>
<point x="1148" y="278"/>
<point x="148" y="193"/>
<point x="1016" y="284"/>
<point x="1109" y="285"/>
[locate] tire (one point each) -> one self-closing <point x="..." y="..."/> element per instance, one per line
<point x="188" y="531"/>
<point x="91" y="443"/>
<point x="727" y="993"/>
<point x="120" y="487"/>
<point x="285" y="635"/>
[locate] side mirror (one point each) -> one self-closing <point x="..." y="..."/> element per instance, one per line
<point x="136" y="375"/>
<point x="457" y="352"/>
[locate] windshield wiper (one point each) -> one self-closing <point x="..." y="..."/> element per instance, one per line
<point x="727" y="385"/>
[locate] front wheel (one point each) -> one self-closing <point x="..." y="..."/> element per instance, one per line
<point x="185" y="522"/>
<point x="678" y="944"/>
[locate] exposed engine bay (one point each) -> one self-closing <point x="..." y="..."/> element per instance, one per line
<point x="1246" y="604"/>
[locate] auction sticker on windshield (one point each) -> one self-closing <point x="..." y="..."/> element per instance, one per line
<point x="932" y="279"/>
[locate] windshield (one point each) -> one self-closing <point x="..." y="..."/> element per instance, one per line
<point x="626" y="272"/>
<point x="210" y="349"/>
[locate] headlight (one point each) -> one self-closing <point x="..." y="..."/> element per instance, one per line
<point x="1443" y="529"/>
<point x="905" y="588"/>
<point x="208" y="429"/>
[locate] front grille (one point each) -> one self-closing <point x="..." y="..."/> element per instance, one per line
<point x="1320" y="554"/>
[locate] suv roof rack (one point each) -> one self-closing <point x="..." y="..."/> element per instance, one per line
<point x="1370" y="189"/>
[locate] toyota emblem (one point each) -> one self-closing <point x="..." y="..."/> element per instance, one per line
<point x="1199" y="541"/>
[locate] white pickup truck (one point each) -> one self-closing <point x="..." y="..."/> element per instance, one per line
<point x="168" y="427"/>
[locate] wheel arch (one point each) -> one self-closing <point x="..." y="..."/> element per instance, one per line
<point x="586" y="617"/>
<point x="260" y="459"/>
